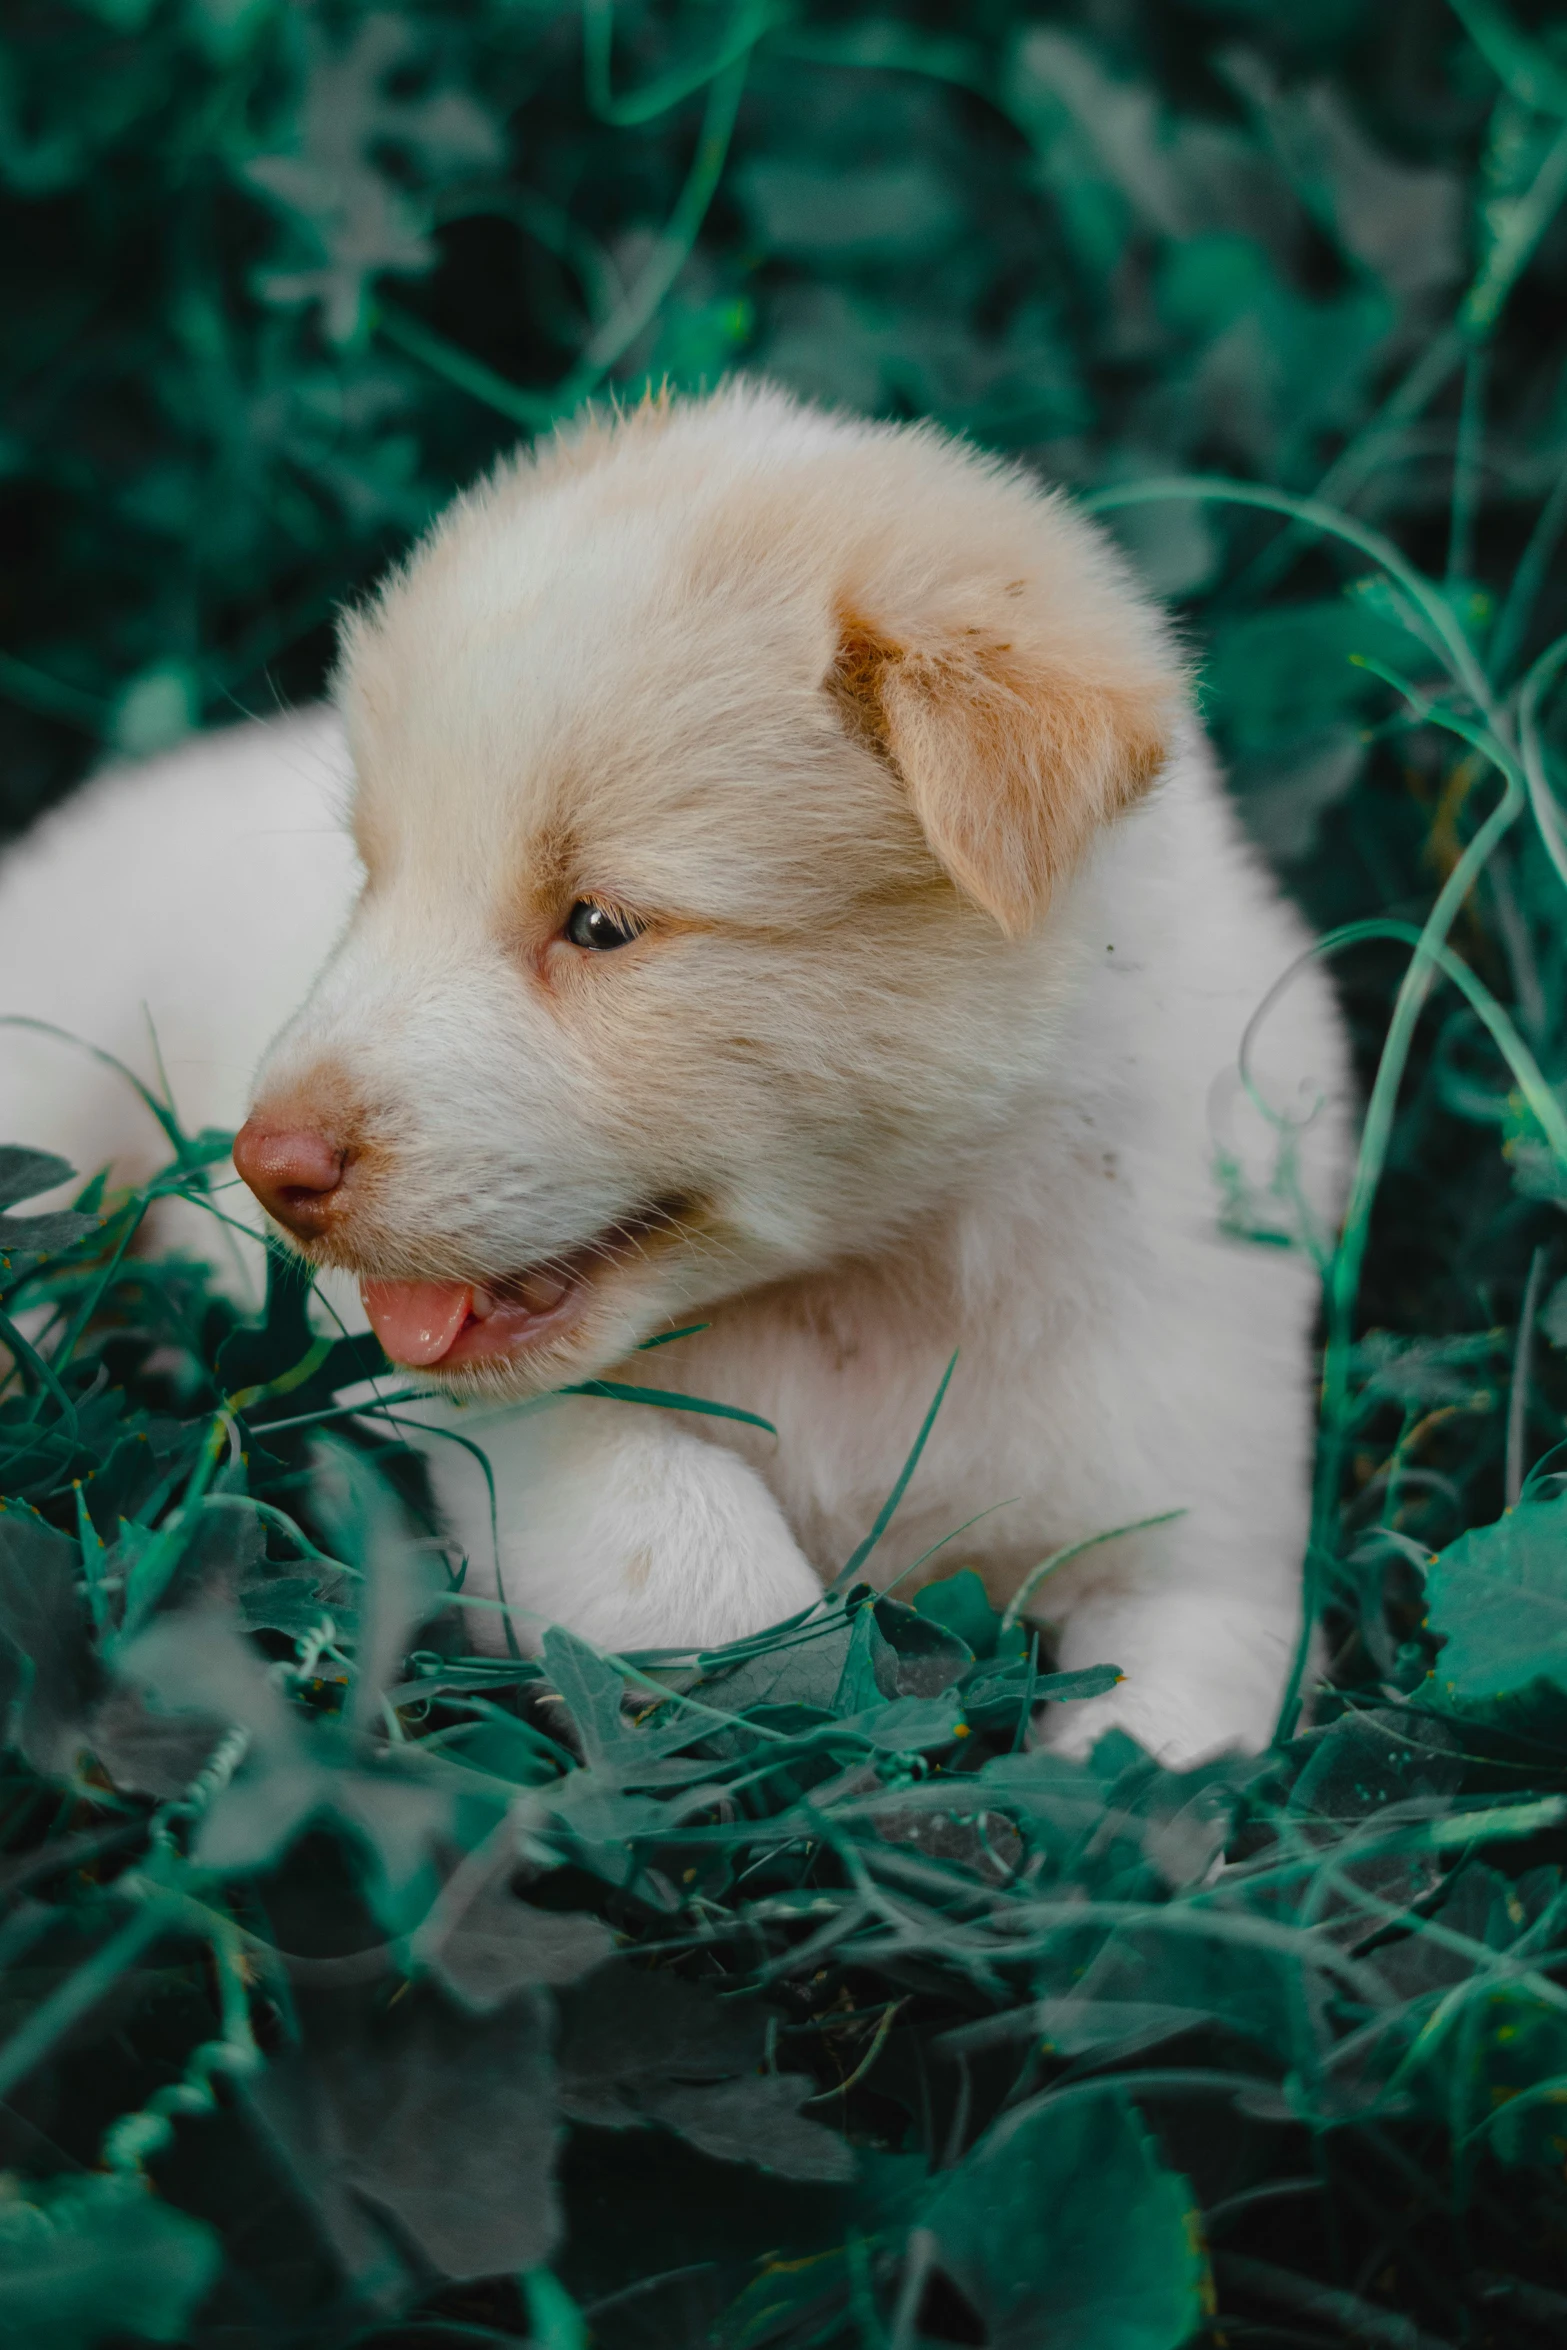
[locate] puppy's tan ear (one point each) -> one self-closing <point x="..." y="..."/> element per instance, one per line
<point x="1013" y="754"/>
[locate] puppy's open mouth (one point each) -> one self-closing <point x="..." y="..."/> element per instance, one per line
<point x="460" y="1325"/>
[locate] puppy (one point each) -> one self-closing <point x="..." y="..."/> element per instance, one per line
<point x="797" y="901"/>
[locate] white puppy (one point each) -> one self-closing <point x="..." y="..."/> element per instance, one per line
<point x="797" y="899"/>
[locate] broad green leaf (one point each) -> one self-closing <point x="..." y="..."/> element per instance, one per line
<point x="639" y="2047"/>
<point x="897" y="1652"/>
<point x="47" y="1673"/>
<point x="1285" y="676"/>
<point x="147" y="1752"/>
<point x="754" y="2119"/>
<point x="619" y="1750"/>
<point x="860" y="1683"/>
<point x="1064" y="2224"/>
<point x="40" y="1236"/>
<point x="1498" y="1596"/>
<point x="25" y="1173"/>
<point x="628" y="2029"/>
<point x="1401" y="220"/>
<point x="396" y="1803"/>
<point x="804" y="1670"/>
<point x="25" y="1239"/>
<point x="922" y="1654"/>
<point x="445" y="2122"/>
<point x="496" y="1944"/>
<point x="83" y="2259"/>
<point x="961" y="1603"/>
<point x="401" y="1582"/>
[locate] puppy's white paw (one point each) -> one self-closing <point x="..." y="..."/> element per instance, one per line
<point x="1164" y="1722"/>
<point x="619" y="1524"/>
<point x="1198" y="1678"/>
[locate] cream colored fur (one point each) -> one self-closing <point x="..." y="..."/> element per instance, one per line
<point x="932" y="1034"/>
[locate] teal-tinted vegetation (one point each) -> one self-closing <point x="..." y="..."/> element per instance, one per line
<point x="355" y="1989"/>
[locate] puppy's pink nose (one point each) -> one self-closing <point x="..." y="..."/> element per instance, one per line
<point x="294" y="1175"/>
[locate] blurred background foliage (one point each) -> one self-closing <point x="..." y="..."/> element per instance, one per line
<point x="279" y="277"/>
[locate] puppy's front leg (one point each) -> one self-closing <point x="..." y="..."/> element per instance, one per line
<point x="618" y="1523"/>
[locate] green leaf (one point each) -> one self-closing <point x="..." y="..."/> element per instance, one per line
<point x="146" y="1752"/>
<point x="911" y="1725"/>
<point x="618" y="1749"/>
<point x="638" y="2047"/>
<point x="896" y="1652"/>
<point x="804" y="1670"/>
<point x="284" y="1367"/>
<point x="42" y="1236"/>
<point x="85" y="2258"/>
<point x="495" y="1945"/>
<point x="1064" y="2225"/>
<point x="1420" y="1373"/>
<point x="961" y="1603"/>
<point x="1283" y="677"/>
<point x="47" y="1674"/>
<point x="25" y="1173"/>
<point x="1498" y="1596"/>
<point x="395" y="1802"/>
<point x="628" y="2029"/>
<point x="293" y="1604"/>
<point x="25" y="1239"/>
<point x="1085" y="1681"/>
<point x="860" y="1684"/>
<point x="754" y="2119"/>
<point x="446" y="2123"/>
<point x="251" y="1357"/>
<point x="401" y="1581"/>
<point x="920" y="1655"/>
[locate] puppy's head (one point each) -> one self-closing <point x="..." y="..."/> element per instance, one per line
<point x="720" y="771"/>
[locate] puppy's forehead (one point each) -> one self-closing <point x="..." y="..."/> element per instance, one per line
<point x="622" y="691"/>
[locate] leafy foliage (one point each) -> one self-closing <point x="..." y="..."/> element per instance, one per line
<point x="350" y="1975"/>
<point x="357" y="1989"/>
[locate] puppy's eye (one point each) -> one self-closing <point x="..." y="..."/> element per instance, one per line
<point x="600" y="927"/>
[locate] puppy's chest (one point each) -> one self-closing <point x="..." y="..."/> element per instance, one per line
<point x="849" y="1399"/>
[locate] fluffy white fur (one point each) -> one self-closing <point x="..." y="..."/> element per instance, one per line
<point x="931" y="1037"/>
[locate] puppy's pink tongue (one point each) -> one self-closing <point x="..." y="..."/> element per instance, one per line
<point x="417" y="1321"/>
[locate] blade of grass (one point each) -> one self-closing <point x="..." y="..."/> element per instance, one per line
<point x="884" y="1515"/>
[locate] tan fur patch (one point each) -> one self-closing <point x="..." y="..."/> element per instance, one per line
<point x="549" y="875"/>
<point x="855" y="679"/>
<point x="323" y="1099"/>
<point x="638" y="1568"/>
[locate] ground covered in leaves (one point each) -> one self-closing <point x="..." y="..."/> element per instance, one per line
<point x="355" y="1989"/>
<point x="358" y="1989"/>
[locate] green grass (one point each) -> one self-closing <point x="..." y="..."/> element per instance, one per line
<point x="355" y="1989"/>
